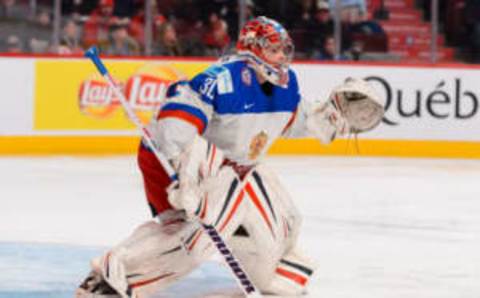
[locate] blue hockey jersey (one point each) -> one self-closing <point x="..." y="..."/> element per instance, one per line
<point x="226" y="105"/>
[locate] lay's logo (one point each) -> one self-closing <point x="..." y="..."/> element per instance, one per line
<point x="145" y="91"/>
<point x="96" y="98"/>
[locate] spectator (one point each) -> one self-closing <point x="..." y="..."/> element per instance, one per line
<point x="321" y="26"/>
<point x="329" y="49"/>
<point x="122" y="44"/>
<point x="96" y="28"/>
<point x="301" y="13"/>
<point x="216" y="38"/>
<point x="369" y="31"/>
<point x="472" y="27"/>
<point x="13" y="44"/>
<point x="249" y="10"/>
<point x="356" y="51"/>
<point x="136" y="27"/>
<point x="230" y="14"/>
<point x="350" y="8"/>
<point x="41" y="34"/>
<point x="137" y="24"/>
<point x="10" y="9"/>
<point x="70" y="41"/>
<point x="167" y="43"/>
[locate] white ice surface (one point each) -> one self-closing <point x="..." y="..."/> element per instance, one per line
<point x="378" y="228"/>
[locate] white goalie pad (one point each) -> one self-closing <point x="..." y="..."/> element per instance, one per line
<point x="153" y="257"/>
<point x="270" y="232"/>
<point x="257" y="219"/>
<point x="157" y="254"/>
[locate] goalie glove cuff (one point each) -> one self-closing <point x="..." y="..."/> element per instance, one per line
<point x="326" y="122"/>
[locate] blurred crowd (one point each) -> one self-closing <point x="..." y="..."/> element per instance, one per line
<point x="198" y="27"/>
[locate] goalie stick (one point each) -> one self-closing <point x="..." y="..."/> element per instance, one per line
<point x="239" y="274"/>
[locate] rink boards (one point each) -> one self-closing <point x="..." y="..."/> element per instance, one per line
<point x="61" y="106"/>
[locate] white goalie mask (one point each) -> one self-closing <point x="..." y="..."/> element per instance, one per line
<point x="359" y="104"/>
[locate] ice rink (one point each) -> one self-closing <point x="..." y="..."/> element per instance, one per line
<point x="378" y="227"/>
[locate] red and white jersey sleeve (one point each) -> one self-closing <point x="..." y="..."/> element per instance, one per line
<point x="183" y="116"/>
<point x="297" y="127"/>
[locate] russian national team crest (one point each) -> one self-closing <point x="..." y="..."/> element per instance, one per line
<point x="145" y="91"/>
<point x="257" y="145"/>
<point x="246" y="76"/>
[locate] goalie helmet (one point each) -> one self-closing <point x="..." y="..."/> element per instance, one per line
<point x="260" y="35"/>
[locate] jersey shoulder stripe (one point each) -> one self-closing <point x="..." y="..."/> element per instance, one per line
<point x="186" y="113"/>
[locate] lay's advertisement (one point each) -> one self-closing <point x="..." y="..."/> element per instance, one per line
<point x="74" y="96"/>
<point x="63" y="106"/>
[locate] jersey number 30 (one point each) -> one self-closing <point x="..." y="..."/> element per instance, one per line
<point x="208" y="87"/>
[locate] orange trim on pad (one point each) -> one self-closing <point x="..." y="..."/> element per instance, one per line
<point x="292" y="276"/>
<point x="149" y="281"/>
<point x="259" y="206"/>
<point x="235" y="206"/>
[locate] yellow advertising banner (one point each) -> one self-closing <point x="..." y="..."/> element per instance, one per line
<point x="71" y="95"/>
<point x="76" y="113"/>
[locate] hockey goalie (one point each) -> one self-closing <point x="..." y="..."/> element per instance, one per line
<point x="215" y="130"/>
